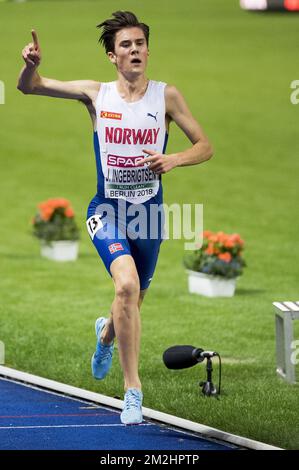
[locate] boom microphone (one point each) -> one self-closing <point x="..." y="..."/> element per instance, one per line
<point x="181" y="357"/>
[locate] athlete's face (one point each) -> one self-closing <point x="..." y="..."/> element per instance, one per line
<point x="130" y="53"/>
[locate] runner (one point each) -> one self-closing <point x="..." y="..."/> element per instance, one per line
<point x="131" y="118"/>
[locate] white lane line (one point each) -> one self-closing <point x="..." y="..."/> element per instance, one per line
<point x="71" y="426"/>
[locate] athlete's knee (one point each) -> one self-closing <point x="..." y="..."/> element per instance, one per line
<point x="127" y="289"/>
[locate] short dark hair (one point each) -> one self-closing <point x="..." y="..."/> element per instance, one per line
<point x="121" y="20"/>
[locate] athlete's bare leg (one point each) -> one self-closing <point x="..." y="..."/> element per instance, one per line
<point x="138" y="322"/>
<point x="126" y="320"/>
<point x="108" y="333"/>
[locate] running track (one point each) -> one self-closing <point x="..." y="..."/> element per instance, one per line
<point x="35" y="419"/>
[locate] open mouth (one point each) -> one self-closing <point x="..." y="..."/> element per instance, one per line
<point x="136" y="61"/>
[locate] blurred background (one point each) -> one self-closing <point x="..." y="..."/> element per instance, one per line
<point x="235" y="68"/>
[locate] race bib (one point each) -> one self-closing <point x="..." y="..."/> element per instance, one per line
<point x="94" y="224"/>
<point x="128" y="180"/>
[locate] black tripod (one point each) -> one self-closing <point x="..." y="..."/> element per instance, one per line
<point x="208" y="388"/>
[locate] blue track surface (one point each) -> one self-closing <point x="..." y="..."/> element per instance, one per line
<point x="35" y="419"/>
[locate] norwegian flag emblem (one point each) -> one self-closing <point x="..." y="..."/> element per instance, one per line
<point x="114" y="247"/>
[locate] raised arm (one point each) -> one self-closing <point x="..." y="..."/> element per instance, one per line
<point x="30" y="82"/>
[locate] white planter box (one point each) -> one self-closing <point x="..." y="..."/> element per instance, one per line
<point x="210" y="286"/>
<point x="63" y="250"/>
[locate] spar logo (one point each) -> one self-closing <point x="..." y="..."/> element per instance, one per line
<point x="114" y="247"/>
<point x="124" y="162"/>
<point x="111" y="115"/>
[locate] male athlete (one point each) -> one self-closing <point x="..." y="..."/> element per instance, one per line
<point x="130" y="118"/>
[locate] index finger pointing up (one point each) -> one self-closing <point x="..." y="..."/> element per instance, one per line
<point x="35" y="39"/>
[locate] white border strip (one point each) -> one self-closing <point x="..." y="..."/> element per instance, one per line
<point x="147" y="412"/>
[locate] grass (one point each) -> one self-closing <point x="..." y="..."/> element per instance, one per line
<point x="235" y="71"/>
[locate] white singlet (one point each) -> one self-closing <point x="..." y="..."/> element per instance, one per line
<point x="123" y="131"/>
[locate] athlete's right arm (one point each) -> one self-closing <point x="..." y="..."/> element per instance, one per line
<point x="30" y="82"/>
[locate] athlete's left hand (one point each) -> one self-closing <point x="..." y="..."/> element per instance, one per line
<point x="159" y="162"/>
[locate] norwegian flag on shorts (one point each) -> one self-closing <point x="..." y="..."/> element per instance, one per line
<point x="114" y="247"/>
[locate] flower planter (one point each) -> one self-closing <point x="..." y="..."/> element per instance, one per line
<point x="210" y="286"/>
<point x="63" y="250"/>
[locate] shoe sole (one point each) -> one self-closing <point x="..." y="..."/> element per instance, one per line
<point x="132" y="424"/>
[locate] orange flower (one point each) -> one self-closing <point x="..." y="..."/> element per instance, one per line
<point x="46" y="213"/>
<point x="69" y="212"/>
<point x="210" y="249"/>
<point x="229" y="242"/>
<point x="217" y="241"/>
<point x="235" y="237"/>
<point x="207" y="233"/>
<point x="59" y="202"/>
<point x="54" y="203"/>
<point x="226" y="256"/>
<point x="221" y="237"/>
<point x="47" y="208"/>
<point x="42" y="205"/>
<point x="213" y="238"/>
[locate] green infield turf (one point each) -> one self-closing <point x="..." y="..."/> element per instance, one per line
<point x="235" y="69"/>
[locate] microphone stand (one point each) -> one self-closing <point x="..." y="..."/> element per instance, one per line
<point x="208" y="388"/>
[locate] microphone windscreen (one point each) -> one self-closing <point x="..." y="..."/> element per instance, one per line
<point x="181" y="357"/>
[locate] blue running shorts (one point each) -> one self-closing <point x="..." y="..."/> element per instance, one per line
<point x="117" y="227"/>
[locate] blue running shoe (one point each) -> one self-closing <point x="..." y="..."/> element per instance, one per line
<point x="132" y="410"/>
<point x="101" y="360"/>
